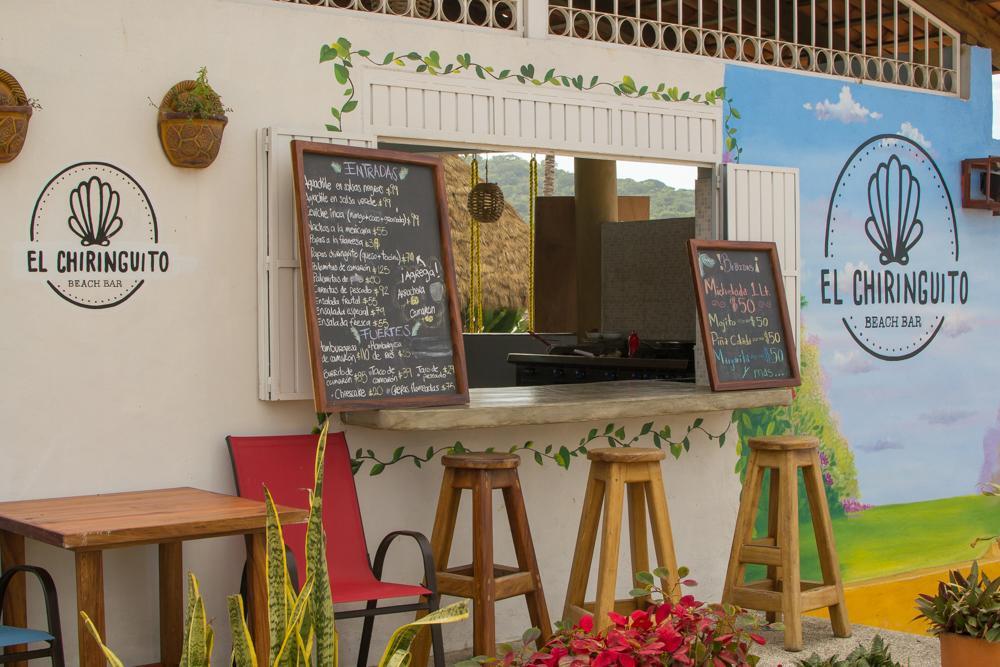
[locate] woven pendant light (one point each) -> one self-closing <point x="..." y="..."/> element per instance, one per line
<point x="486" y="199"/>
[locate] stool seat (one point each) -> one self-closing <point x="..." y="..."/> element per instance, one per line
<point x="626" y="455"/>
<point x="481" y="461"/>
<point x="783" y="591"/>
<point x="617" y="474"/>
<point x="784" y="443"/>
<point x="484" y="580"/>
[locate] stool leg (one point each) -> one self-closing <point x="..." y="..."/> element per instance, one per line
<point x="638" y="542"/>
<point x="788" y="526"/>
<point x="773" y="571"/>
<point x="524" y="549"/>
<point x="663" y="539"/>
<point x="484" y="640"/>
<point x="586" y="540"/>
<point x="611" y="534"/>
<point x="442" y="536"/>
<point x="743" y="531"/>
<point x="828" y="561"/>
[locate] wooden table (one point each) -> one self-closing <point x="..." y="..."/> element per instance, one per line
<point x="87" y="525"/>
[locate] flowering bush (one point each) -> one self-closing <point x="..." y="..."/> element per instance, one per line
<point x="853" y="505"/>
<point x="685" y="632"/>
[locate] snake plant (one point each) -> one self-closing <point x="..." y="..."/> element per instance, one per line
<point x="301" y="626"/>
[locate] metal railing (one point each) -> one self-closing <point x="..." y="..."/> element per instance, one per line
<point x="500" y="14"/>
<point x="891" y="41"/>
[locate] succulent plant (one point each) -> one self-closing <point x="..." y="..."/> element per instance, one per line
<point x="200" y="101"/>
<point x="964" y="605"/>
<point x="893" y="204"/>
<point x="876" y="655"/>
<point x="93" y="205"/>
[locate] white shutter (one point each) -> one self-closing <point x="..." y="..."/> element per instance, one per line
<point x="283" y="360"/>
<point x="762" y="204"/>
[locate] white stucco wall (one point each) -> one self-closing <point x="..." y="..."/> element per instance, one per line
<point x="142" y="395"/>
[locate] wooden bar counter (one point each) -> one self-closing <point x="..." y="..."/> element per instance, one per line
<point x="563" y="403"/>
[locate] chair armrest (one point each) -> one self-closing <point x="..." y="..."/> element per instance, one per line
<point x="48" y="592"/>
<point x="430" y="575"/>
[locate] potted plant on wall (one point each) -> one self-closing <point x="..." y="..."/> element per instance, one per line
<point x="15" y="112"/>
<point x="965" y="615"/>
<point x="190" y="123"/>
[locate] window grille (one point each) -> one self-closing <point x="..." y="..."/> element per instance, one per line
<point x="890" y="41"/>
<point x="501" y="14"/>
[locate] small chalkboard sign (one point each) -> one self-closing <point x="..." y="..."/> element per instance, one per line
<point x="380" y="300"/>
<point x="745" y="329"/>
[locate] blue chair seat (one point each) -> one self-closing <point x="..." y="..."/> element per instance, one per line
<point x="10" y="636"/>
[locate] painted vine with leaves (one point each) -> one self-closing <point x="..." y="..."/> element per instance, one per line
<point x="613" y="435"/>
<point x="342" y="54"/>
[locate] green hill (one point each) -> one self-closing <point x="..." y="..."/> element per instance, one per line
<point x="510" y="172"/>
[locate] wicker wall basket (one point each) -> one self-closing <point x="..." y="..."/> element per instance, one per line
<point x="15" y="112"/>
<point x="188" y="142"/>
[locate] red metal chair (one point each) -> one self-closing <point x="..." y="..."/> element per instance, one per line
<point x="284" y="464"/>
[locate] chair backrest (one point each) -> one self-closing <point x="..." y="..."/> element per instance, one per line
<point x="284" y="464"/>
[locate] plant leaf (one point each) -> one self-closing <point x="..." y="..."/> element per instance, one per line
<point x="244" y="654"/>
<point x="397" y="651"/>
<point x="321" y="602"/>
<point x="113" y="659"/>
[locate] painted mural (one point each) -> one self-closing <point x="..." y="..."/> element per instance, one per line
<point x="901" y="296"/>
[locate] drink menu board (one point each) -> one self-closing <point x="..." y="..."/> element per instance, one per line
<point x="743" y="314"/>
<point x="380" y="300"/>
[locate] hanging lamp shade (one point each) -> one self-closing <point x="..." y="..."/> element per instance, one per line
<point x="486" y="202"/>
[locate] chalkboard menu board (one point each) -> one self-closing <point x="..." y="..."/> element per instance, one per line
<point x="380" y="300"/>
<point x="745" y="329"/>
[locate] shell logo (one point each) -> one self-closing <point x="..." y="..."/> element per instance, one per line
<point x="94" y="238"/>
<point x="891" y="257"/>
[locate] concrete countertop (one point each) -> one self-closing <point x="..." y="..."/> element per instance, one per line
<point x="563" y="403"/>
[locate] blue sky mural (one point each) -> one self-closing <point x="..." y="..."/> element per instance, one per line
<point x="917" y="424"/>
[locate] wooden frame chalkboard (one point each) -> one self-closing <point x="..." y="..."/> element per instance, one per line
<point x="406" y="163"/>
<point x="768" y="254"/>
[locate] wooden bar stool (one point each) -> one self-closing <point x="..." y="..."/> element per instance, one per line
<point x="614" y="473"/>
<point x="783" y="591"/>
<point x="484" y="581"/>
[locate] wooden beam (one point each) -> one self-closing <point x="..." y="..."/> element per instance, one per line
<point x="975" y="27"/>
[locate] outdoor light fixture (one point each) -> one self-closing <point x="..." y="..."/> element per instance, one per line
<point x="985" y="171"/>
<point x="486" y="202"/>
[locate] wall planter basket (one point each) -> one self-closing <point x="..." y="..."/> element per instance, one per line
<point x="963" y="651"/>
<point x="188" y="140"/>
<point x="15" y="112"/>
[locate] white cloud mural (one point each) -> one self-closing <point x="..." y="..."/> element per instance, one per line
<point x="908" y="130"/>
<point x="853" y="362"/>
<point x="846" y="109"/>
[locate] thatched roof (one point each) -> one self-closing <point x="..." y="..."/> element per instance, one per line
<point x="503" y="246"/>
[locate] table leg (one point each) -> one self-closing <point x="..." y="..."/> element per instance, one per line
<point x="171" y="603"/>
<point x="15" y="606"/>
<point x="90" y="598"/>
<point x="257" y="592"/>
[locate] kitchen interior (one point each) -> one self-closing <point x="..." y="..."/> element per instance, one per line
<point x="613" y="295"/>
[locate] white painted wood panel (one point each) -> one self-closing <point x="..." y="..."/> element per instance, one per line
<point x="762" y="204"/>
<point x="406" y="107"/>
<point x="283" y="363"/>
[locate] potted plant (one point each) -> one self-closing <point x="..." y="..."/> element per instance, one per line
<point x="190" y="123"/>
<point x="15" y="112"/>
<point x="965" y="615"/>
<point x="667" y="632"/>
